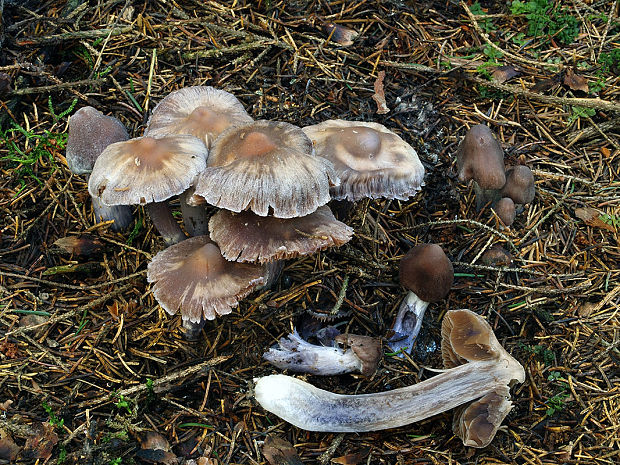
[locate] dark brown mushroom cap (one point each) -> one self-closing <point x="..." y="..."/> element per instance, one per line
<point x="246" y="237"/>
<point x="427" y="272"/>
<point x="506" y="210"/>
<point x="192" y="277"/>
<point x="496" y="256"/>
<point x="267" y="167"/>
<point x="90" y="132"/>
<point x="519" y="184"/>
<point x="146" y="170"/>
<point x="201" y="111"/>
<point x="481" y="158"/>
<point x="370" y="160"/>
<point x="465" y="337"/>
<point x="477" y="423"/>
<point x="366" y="348"/>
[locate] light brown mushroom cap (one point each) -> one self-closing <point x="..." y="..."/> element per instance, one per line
<point x="192" y="277"/>
<point x="246" y="237"/>
<point x="370" y="160"/>
<point x="90" y="132"/>
<point x="519" y="185"/>
<point x="267" y="167"/>
<point x="367" y="349"/>
<point x="427" y="272"/>
<point x="481" y="158"/>
<point x="477" y="423"/>
<point x="506" y="210"/>
<point x="145" y="170"/>
<point x="201" y="111"/>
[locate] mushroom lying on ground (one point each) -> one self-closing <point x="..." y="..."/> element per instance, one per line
<point x="361" y="354"/>
<point x="428" y="274"/>
<point x="481" y="158"/>
<point x="370" y="160"/>
<point x="90" y="132"/>
<point x="246" y="237"/>
<point x="149" y="171"/>
<point x="481" y="367"/>
<point x="193" y="278"/>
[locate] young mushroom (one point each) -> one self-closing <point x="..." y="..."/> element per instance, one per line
<point x="481" y="158"/>
<point x="361" y="354"/>
<point x="148" y="171"/>
<point x="90" y="132"/>
<point x="267" y="167"/>
<point x="370" y="160"/>
<point x="505" y="210"/>
<point x="247" y="237"/>
<point x="193" y="278"/>
<point x="519" y="185"/>
<point x="428" y="274"/>
<point x="482" y="367"/>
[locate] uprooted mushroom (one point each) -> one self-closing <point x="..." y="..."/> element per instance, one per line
<point x="480" y="368"/>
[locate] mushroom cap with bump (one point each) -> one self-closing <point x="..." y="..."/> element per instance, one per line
<point x="519" y="185"/>
<point x="267" y="167"/>
<point x="481" y="158"/>
<point x="246" y="237"/>
<point x="370" y="160"/>
<point x="193" y="278"/>
<point x="201" y="111"/>
<point x="427" y="272"/>
<point x="90" y="132"/>
<point x="145" y="170"/>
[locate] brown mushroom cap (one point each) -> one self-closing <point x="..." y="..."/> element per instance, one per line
<point x="192" y="277"/>
<point x="427" y="272"/>
<point x="146" y="170"/>
<point x="267" y="167"/>
<point x="481" y="158"/>
<point x="477" y="423"/>
<point x="90" y="132"/>
<point x="201" y="111"/>
<point x="467" y="338"/>
<point x="506" y="210"/>
<point x="370" y="160"/>
<point x="246" y="237"/>
<point x="519" y="184"/>
<point x="366" y="348"/>
<point x="496" y="256"/>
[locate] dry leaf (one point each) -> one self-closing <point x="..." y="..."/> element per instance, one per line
<point x="379" y="96"/>
<point x="585" y="310"/>
<point x="277" y="451"/>
<point x="340" y="34"/>
<point x="547" y="84"/>
<point x="605" y="152"/>
<point x="79" y="245"/>
<point x="505" y="73"/>
<point x="8" y="448"/>
<point x="41" y="443"/>
<point x="575" y="81"/>
<point x="592" y="218"/>
<point x="351" y="459"/>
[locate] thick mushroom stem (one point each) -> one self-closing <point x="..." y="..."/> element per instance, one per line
<point x="164" y="222"/>
<point x="485" y="196"/>
<point x="300" y="356"/>
<point x="314" y="409"/>
<point x="194" y="217"/>
<point x="408" y="323"/>
<point x="483" y="367"/>
<point x="190" y="330"/>
<point x="121" y="214"/>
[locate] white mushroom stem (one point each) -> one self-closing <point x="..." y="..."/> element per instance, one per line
<point x="408" y="323"/>
<point x="194" y="217"/>
<point x="314" y="409"/>
<point x="300" y="356"/>
<point x="164" y="222"/>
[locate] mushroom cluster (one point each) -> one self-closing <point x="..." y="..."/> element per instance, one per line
<point x="270" y="182"/>
<point x="480" y="158"/>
